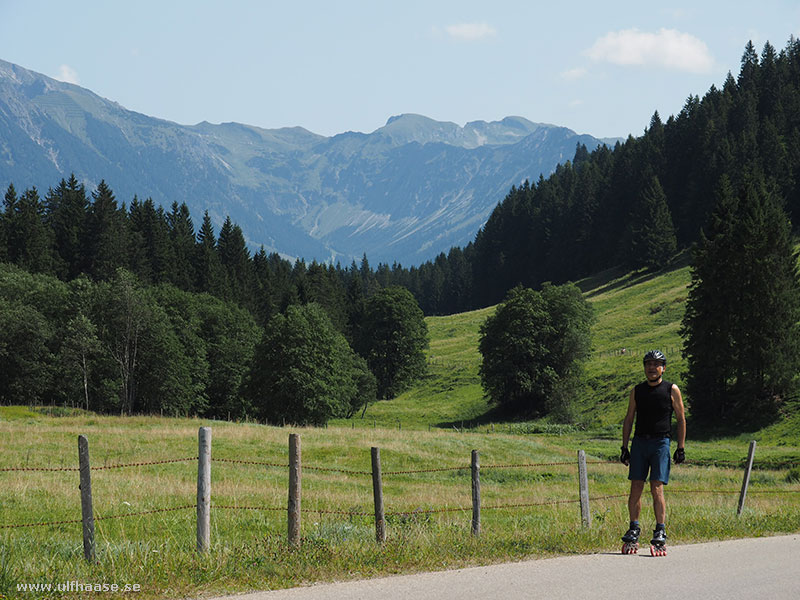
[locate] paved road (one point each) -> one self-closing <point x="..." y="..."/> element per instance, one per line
<point x="751" y="569"/>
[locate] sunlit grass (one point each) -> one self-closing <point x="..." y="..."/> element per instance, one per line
<point x="435" y="424"/>
<point x="249" y="549"/>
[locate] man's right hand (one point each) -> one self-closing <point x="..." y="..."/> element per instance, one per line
<point x="625" y="456"/>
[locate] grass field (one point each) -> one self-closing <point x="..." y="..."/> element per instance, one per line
<point x="249" y="548"/>
<point x="635" y="311"/>
<point x="534" y="514"/>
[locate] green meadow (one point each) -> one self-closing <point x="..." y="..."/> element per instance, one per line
<point x="528" y="477"/>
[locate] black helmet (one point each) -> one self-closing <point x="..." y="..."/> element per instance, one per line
<point x="655" y="355"/>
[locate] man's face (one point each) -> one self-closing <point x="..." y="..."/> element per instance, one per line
<point x="653" y="370"/>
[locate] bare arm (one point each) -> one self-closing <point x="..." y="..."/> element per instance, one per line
<point x="627" y="425"/>
<point x="677" y="406"/>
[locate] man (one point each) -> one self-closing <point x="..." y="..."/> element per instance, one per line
<point x="652" y="403"/>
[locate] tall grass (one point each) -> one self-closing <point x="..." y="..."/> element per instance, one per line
<point x="435" y="424"/>
<point x="249" y="549"/>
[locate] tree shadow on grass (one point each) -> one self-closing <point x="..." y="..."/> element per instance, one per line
<point x="496" y="414"/>
<point x="620" y="277"/>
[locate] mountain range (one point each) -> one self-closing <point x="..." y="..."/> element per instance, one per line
<point x="403" y="193"/>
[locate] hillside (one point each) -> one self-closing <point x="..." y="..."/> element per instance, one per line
<point x="636" y="311"/>
<point x="403" y="193"/>
<point x="145" y="517"/>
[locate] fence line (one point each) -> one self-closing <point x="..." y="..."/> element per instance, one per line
<point x="103" y="468"/>
<point x="750" y="491"/>
<point x="100" y="517"/>
<point x="388" y="514"/>
<point x="204" y="504"/>
<point x="369" y="514"/>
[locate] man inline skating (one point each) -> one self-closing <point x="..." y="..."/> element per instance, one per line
<point x="651" y="403"/>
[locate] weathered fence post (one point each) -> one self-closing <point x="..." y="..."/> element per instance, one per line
<point x="746" y="481"/>
<point x="586" y="515"/>
<point x="295" y="488"/>
<point x="377" y="492"/>
<point x="476" y="493"/>
<point x="87" y="513"/>
<point x="203" y="489"/>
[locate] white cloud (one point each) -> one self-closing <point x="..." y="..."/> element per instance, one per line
<point x="470" y="32"/>
<point x="67" y="74"/>
<point x="575" y="103"/>
<point x="573" y="74"/>
<point x="668" y="48"/>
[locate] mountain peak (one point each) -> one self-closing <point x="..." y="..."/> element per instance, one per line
<point x="405" y="192"/>
<point x="409" y="127"/>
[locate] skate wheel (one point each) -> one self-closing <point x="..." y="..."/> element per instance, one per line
<point x="630" y="548"/>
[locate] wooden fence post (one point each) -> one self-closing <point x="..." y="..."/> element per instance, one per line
<point x="586" y="515"/>
<point x="203" y="489"/>
<point x="87" y="513"/>
<point x="377" y="492"/>
<point x="476" y="493"/>
<point x="295" y="488"/>
<point x="746" y="481"/>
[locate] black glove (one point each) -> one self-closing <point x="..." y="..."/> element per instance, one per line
<point x="679" y="456"/>
<point x="625" y="456"/>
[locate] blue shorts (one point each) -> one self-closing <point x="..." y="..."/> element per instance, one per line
<point x="650" y="456"/>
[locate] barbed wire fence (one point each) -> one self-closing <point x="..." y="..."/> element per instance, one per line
<point x="204" y="506"/>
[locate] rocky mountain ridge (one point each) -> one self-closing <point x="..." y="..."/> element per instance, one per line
<point x="403" y="193"/>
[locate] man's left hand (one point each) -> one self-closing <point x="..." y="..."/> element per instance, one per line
<point x="679" y="456"/>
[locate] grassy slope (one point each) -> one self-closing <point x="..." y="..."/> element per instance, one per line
<point x="635" y="311"/>
<point x="248" y="546"/>
<point x="451" y="392"/>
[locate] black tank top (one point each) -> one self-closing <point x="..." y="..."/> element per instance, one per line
<point x="653" y="409"/>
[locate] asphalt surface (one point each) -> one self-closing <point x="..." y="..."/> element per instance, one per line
<point x="749" y="569"/>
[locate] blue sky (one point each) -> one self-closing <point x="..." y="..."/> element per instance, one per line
<point x="600" y="68"/>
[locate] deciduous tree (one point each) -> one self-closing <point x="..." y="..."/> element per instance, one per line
<point x="532" y="348"/>
<point x="393" y="338"/>
<point x="304" y="371"/>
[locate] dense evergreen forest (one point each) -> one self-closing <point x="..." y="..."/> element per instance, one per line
<point x="635" y="204"/>
<point x="129" y="309"/>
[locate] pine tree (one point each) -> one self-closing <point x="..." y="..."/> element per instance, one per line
<point x="652" y="234"/>
<point x="138" y="260"/>
<point x="182" y="238"/>
<point x="105" y="240"/>
<point x="159" y="249"/>
<point x="327" y="291"/>
<point x="235" y="259"/>
<point x="207" y="266"/>
<point x="264" y="300"/>
<point x="741" y="323"/>
<point x="30" y="240"/>
<point x="66" y="208"/>
<point x="7" y="222"/>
